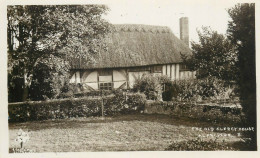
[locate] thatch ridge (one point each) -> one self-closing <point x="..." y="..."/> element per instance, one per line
<point x="141" y="28"/>
<point x="132" y="45"/>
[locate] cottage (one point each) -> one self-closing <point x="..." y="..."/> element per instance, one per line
<point x="133" y="50"/>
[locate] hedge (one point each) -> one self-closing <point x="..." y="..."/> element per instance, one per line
<point x="77" y="107"/>
<point x="214" y="113"/>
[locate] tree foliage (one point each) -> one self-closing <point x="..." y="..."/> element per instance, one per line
<point x="40" y="34"/>
<point x="241" y="31"/>
<point x="213" y="56"/>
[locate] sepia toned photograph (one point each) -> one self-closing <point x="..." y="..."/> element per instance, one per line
<point x="148" y="76"/>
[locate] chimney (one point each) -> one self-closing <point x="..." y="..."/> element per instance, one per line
<point x="184" y="30"/>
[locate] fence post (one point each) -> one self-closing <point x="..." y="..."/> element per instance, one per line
<point x="102" y="104"/>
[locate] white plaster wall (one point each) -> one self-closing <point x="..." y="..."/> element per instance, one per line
<point x="173" y="72"/>
<point x="164" y="70"/>
<point x="181" y="77"/>
<point x="119" y="78"/>
<point x="77" y="77"/>
<point x="194" y="74"/>
<point x="117" y="84"/>
<point x="72" y="79"/>
<point x="91" y="80"/>
<point x="119" y="75"/>
<point x="190" y="75"/>
<point x="105" y="78"/>
<point x="177" y="71"/>
<point x="93" y="85"/>
<point x="168" y="70"/>
<point x="92" y="77"/>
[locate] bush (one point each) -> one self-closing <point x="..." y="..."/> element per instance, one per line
<point x="171" y="91"/>
<point x="155" y="87"/>
<point x="198" y="145"/>
<point x="205" y="89"/>
<point x="149" y="85"/>
<point x="70" y="90"/>
<point x="78" y="107"/>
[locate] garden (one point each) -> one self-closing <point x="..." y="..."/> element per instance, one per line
<point x="122" y="120"/>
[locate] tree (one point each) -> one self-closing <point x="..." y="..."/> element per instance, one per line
<point x="40" y="34"/>
<point x="212" y="56"/>
<point x="241" y="31"/>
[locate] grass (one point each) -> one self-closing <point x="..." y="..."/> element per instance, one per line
<point x="140" y="132"/>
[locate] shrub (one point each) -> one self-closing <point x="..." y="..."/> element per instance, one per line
<point x="171" y="91"/>
<point x="70" y="90"/>
<point x="205" y="89"/>
<point x="149" y="85"/>
<point x="155" y="87"/>
<point x="199" y="145"/>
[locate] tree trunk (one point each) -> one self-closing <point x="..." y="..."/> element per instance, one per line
<point x="25" y="93"/>
<point x="25" y="86"/>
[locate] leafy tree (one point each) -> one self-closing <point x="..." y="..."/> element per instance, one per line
<point x="40" y="34"/>
<point x="213" y="56"/>
<point x="241" y="31"/>
<point x="49" y="79"/>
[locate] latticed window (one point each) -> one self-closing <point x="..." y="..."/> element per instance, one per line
<point x="105" y="79"/>
<point x="105" y="86"/>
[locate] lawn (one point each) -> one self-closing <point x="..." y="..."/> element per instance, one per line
<point x="140" y="132"/>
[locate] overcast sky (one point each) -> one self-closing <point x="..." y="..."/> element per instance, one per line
<point x="167" y="13"/>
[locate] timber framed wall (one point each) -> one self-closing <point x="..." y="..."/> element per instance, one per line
<point x="123" y="78"/>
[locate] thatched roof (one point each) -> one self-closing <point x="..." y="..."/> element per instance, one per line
<point x="138" y="45"/>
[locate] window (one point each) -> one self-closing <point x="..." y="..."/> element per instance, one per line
<point x="157" y="69"/>
<point x="105" y="86"/>
<point x="138" y="69"/>
<point x="184" y="67"/>
<point x="105" y="79"/>
<point x="105" y="72"/>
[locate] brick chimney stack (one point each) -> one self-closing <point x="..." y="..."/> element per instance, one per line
<point x="184" y="30"/>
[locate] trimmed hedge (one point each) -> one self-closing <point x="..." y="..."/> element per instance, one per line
<point x="213" y="113"/>
<point x="77" y="107"/>
<point x="79" y="92"/>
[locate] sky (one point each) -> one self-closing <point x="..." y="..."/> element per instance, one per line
<point x="167" y="13"/>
